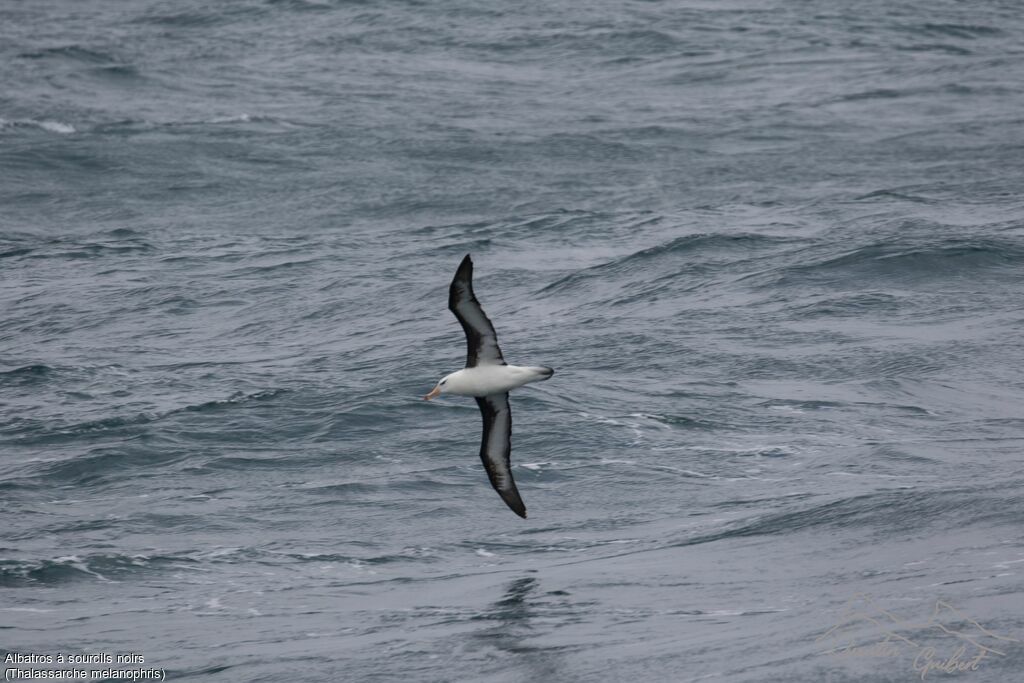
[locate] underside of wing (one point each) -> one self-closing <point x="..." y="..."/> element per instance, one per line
<point x="481" y="340"/>
<point x="496" y="449"/>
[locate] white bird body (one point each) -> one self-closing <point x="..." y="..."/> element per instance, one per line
<point x="485" y="380"/>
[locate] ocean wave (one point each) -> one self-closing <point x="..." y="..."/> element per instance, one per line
<point x="100" y="245"/>
<point x="944" y="48"/>
<point x="216" y="16"/>
<point x="964" y="31"/>
<point x="849" y="305"/>
<point x="117" y="71"/>
<point x="235" y="399"/>
<point x="138" y="126"/>
<point x="74" y="52"/>
<point x="26" y="375"/>
<point x="889" y="511"/>
<point x="639" y="42"/>
<point x="908" y="262"/>
<point x="43" y="124"/>
<point x="14" y="252"/>
<point x="122" y="567"/>
<point x="888" y="194"/>
<point x="103" y="464"/>
<point x="72" y="568"/>
<point x="42" y="431"/>
<point x="729" y="246"/>
<point x="39" y="432"/>
<point x="302" y="5"/>
<point x="129" y="241"/>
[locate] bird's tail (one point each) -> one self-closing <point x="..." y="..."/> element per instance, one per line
<point x="542" y="372"/>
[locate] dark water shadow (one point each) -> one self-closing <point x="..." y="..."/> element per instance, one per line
<point x="514" y="629"/>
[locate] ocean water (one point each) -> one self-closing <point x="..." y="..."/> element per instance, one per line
<point x="774" y="251"/>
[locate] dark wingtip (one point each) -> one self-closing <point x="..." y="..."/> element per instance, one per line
<point x="463" y="278"/>
<point x="514" y="502"/>
<point x="465" y="269"/>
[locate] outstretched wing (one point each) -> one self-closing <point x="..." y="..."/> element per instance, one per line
<point x="496" y="449"/>
<point x="481" y="340"/>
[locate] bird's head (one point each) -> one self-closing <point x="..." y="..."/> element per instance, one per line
<point x="440" y="388"/>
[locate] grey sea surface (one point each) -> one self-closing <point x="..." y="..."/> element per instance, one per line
<point x="774" y="251"/>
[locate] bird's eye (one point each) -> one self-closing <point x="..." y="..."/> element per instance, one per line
<point x="443" y="381"/>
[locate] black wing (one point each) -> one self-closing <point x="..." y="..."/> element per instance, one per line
<point x="496" y="449"/>
<point x="481" y="340"/>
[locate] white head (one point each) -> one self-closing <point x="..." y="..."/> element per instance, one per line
<point x="442" y="387"/>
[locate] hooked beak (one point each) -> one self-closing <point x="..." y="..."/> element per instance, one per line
<point x="434" y="393"/>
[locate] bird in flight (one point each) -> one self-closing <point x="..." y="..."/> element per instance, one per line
<point x="487" y="378"/>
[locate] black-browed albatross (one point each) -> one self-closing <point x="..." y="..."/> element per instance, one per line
<point x="488" y="378"/>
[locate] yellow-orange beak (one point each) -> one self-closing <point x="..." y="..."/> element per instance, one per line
<point x="434" y="393"/>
